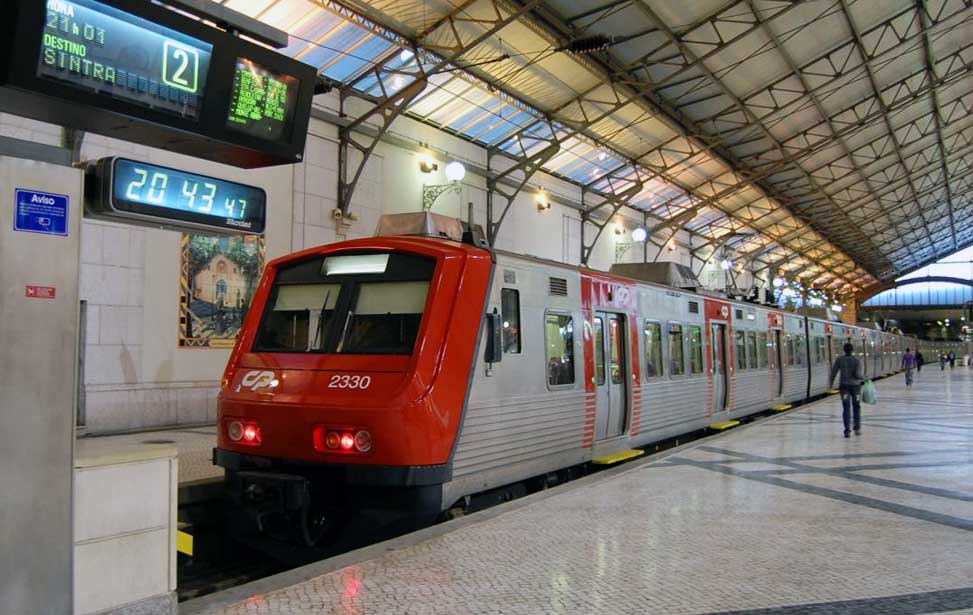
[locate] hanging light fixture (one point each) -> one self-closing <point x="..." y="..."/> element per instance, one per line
<point x="455" y="171"/>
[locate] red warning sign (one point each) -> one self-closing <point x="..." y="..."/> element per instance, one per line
<point x="40" y="292"/>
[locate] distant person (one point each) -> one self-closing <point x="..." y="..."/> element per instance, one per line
<point x="850" y="388"/>
<point x="909" y="365"/>
<point x="919" y="361"/>
<point x="952" y="359"/>
<point x="942" y="361"/>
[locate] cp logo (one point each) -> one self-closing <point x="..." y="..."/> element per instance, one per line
<point x="724" y="311"/>
<point x="256" y="379"/>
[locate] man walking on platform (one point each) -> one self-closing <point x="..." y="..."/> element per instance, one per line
<point x="919" y="361"/>
<point x="850" y="388"/>
<point x="908" y="364"/>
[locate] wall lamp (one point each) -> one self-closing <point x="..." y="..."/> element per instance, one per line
<point x="455" y="172"/>
<point x="543" y="202"/>
<point x="426" y="164"/>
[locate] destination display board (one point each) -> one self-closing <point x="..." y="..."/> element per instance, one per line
<point x="262" y="102"/>
<point x="144" y="193"/>
<point x="137" y="71"/>
<point x="97" y="47"/>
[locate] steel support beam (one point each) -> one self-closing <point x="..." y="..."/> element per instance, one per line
<point x="392" y="100"/>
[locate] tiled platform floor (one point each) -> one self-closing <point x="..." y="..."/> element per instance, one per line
<point x="781" y="517"/>
<point x="195" y="446"/>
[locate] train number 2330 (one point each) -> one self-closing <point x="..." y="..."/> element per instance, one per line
<point x="350" y="382"/>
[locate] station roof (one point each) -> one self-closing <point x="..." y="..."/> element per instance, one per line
<point x="831" y="140"/>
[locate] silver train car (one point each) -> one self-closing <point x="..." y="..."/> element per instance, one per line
<point x="594" y="364"/>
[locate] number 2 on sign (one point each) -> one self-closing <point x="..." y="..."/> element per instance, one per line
<point x="350" y="382"/>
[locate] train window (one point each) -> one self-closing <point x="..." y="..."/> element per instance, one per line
<point x="740" y="348"/>
<point x="799" y="350"/>
<point x="559" y="332"/>
<point x="599" y="344"/>
<point x="653" y="349"/>
<point x="677" y="357"/>
<point x="752" y="353"/>
<point x="510" y="308"/>
<point x="615" y="340"/>
<point x="384" y="318"/>
<point x="790" y="349"/>
<point x="763" y="350"/>
<point x="367" y="303"/>
<point x="696" y="349"/>
<point x="299" y="317"/>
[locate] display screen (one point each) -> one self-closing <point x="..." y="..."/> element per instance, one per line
<point x="149" y="189"/>
<point x="262" y="102"/>
<point x="97" y="47"/>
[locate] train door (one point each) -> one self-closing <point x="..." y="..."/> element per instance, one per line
<point x="610" y="342"/>
<point x="720" y="366"/>
<point x="779" y="362"/>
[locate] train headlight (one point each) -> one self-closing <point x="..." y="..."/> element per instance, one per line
<point x="344" y="440"/>
<point x="332" y="440"/>
<point x="363" y="441"/>
<point x="234" y="430"/>
<point x="244" y="432"/>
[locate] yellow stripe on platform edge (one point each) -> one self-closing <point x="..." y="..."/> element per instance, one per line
<point x="184" y="542"/>
<point x="608" y="460"/>
<point x="781" y="407"/>
<point x="724" y="425"/>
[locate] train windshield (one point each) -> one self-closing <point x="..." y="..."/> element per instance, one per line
<point x="369" y="303"/>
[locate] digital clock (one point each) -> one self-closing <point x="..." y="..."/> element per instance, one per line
<point x="138" y="71"/>
<point x="149" y="194"/>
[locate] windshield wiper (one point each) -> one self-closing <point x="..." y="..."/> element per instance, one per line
<point x="320" y="327"/>
<point x="344" y="330"/>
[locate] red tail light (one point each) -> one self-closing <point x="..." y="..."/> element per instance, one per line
<point x="244" y="432"/>
<point x="343" y="440"/>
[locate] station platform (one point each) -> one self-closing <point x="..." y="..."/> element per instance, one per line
<point x="779" y="516"/>
<point x="195" y="446"/>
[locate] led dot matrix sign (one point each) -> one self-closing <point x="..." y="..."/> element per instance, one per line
<point x="157" y="68"/>
<point x="137" y="71"/>
<point x="149" y="194"/>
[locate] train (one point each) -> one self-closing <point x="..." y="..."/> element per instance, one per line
<point x="406" y="373"/>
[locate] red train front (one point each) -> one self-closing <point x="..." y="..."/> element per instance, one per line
<point x="346" y="386"/>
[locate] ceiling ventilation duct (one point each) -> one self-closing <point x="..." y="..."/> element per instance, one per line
<point x="428" y="224"/>
<point x="666" y="273"/>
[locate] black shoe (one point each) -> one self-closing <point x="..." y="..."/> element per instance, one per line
<point x="847" y="434"/>
<point x="858" y="432"/>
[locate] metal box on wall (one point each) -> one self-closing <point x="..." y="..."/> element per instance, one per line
<point x="39" y="259"/>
